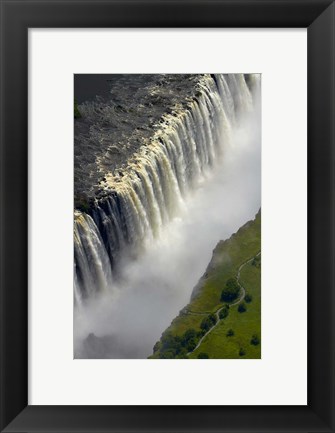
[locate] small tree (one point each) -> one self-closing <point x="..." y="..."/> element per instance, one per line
<point x="188" y="335"/>
<point x="212" y="318"/>
<point x="170" y="343"/>
<point x="224" y="312"/>
<point x="230" y="333"/>
<point x="200" y="334"/>
<point x="208" y="322"/>
<point x="191" y="345"/>
<point x="254" y="340"/>
<point x="242" y="352"/>
<point x="203" y="355"/>
<point x="231" y="291"/>
<point x="248" y="298"/>
<point x="242" y="308"/>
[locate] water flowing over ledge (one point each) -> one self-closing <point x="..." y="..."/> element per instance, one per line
<point x="138" y="199"/>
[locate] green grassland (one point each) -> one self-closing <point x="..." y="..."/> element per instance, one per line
<point x="217" y="344"/>
<point x="228" y="256"/>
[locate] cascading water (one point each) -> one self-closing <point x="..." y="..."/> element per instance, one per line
<point x="136" y="200"/>
<point x="92" y="264"/>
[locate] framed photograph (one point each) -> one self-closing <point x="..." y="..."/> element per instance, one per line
<point x="167" y="216"/>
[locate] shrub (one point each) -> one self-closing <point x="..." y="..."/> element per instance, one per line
<point x="200" y="334"/>
<point x="182" y="354"/>
<point x="242" y="308"/>
<point x="242" y="352"/>
<point x="224" y="312"/>
<point x="157" y="346"/>
<point x="167" y="341"/>
<point x="173" y="346"/>
<point x="188" y="335"/>
<point x="203" y="355"/>
<point x="190" y="340"/>
<point x="191" y="344"/>
<point x="248" y="298"/>
<point x="170" y="344"/>
<point x="231" y="291"/>
<point x="208" y="322"/>
<point x="230" y="333"/>
<point x="169" y="354"/>
<point x="254" y="340"/>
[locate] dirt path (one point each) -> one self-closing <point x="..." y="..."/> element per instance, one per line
<point x="240" y="299"/>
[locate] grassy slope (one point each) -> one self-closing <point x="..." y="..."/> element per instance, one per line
<point x="245" y="325"/>
<point x="227" y="258"/>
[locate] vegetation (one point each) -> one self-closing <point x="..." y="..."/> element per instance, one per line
<point x="174" y="346"/>
<point x="203" y="355"/>
<point x="157" y="346"/>
<point x="190" y="340"/>
<point x="254" y="340"/>
<point x="77" y="114"/>
<point x="234" y="331"/>
<point x="82" y="203"/>
<point x="208" y="322"/>
<point x="224" y="312"/>
<point x="242" y="352"/>
<point x="220" y="343"/>
<point x="231" y="291"/>
<point x="248" y="298"/>
<point x="242" y="308"/>
<point x="256" y="262"/>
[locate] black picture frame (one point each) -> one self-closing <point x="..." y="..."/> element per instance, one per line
<point x="16" y="17"/>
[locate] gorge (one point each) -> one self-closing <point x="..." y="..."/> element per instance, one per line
<point x="162" y="172"/>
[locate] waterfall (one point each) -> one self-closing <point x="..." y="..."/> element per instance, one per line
<point x="141" y="197"/>
<point x="92" y="266"/>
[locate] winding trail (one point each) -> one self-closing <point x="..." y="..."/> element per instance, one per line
<point x="239" y="300"/>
